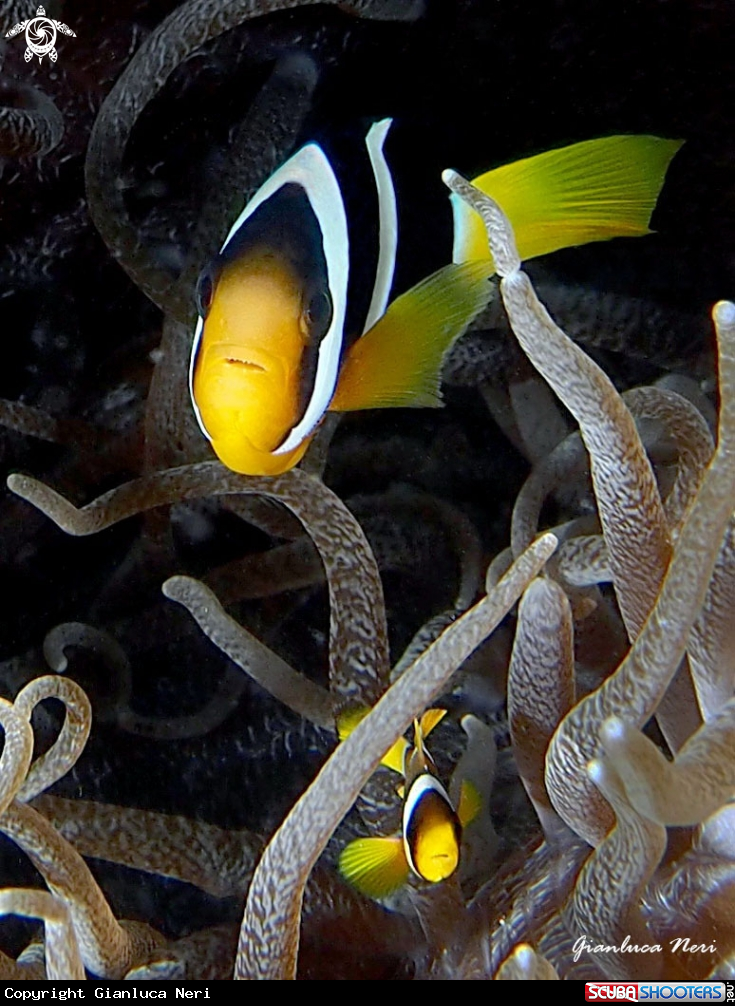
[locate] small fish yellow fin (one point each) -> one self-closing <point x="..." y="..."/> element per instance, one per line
<point x="375" y="866"/>
<point x="421" y="730"/>
<point x="470" y="803"/>
<point x="398" y="362"/>
<point x="394" y="758"/>
<point x="348" y="720"/>
<point x="590" y="191"/>
<point x="431" y="719"/>
<point x="401" y="790"/>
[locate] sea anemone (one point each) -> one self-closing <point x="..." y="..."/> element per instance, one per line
<point x="623" y="625"/>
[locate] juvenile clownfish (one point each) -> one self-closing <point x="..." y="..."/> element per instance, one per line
<point x="428" y="845"/>
<point x="296" y="314"/>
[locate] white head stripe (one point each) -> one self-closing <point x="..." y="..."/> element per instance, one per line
<point x="192" y="364"/>
<point x="311" y="169"/>
<point x="425" y="783"/>
<point x="388" y="222"/>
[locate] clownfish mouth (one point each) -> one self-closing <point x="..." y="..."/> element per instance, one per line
<point x="246" y="364"/>
<point x="242" y="357"/>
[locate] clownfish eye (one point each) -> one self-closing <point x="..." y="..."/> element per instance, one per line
<point x="204" y="293"/>
<point x="317" y="316"/>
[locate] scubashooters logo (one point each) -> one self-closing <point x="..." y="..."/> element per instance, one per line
<point x="40" y="36"/>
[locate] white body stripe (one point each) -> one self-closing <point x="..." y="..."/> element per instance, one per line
<point x="311" y="169"/>
<point x="388" y="222"/>
<point x="192" y="363"/>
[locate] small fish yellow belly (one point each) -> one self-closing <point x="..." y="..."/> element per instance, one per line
<point x="436" y="851"/>
<point x="432" y="832"/>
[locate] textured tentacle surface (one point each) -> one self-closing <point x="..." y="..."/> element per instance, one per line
<point x="628" y="501"/>
<point x="638" y="685"/>
<point x="540" y="682"/>
<point x="634" y="690"/>
<point x="712" y="640"/>
<point x="524" y="964"/>
<point x="607" y="892"/>
<point x="63" y="961"/>
<point x="269" y="934"/>
<point x="686" y="791"/>
<point x="283" y="682"/>
<point x="63" y="754"/>
<point x="106" y="949"/>
<point x="217" y="861"/>
<point x="30" y="123"/>
<point x="358" y="640"/>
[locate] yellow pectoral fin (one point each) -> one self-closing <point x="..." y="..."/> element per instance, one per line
<point x="398" y="362"/>
<point x="375" y="866"/>
<point x="590" y="191"/>
<point x="470" y="803"/>
<point x="348" y="720"/>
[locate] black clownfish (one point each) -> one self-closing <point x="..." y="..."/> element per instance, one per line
<point x="297" y="314"/>
<point x="428" y="845"/>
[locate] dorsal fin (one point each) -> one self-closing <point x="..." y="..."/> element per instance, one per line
<point x="387" y="222"/>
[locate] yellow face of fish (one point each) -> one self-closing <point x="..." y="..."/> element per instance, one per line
<point x="268" y="342"/>
<point x="247" y="372"/>
<point x="436" y="853"/>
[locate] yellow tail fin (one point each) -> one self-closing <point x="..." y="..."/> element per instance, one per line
<point x="590" y="191"/>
